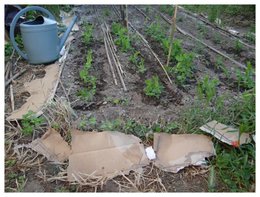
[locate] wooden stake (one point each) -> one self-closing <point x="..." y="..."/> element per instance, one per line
<point x="109" y="61"/>
<point x="173" y="28"/>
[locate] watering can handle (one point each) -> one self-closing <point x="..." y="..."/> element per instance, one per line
<point x="15" y="19"/>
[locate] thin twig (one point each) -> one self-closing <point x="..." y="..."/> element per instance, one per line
<point x="154" y="54"/>
<point x="14" y="77"/>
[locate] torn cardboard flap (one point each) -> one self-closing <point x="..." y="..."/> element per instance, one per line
<point x="105" y="154"/>
<point x="40" y="91"/>
<point x="174" y="152"/>
<point x="226" y="134"/>
<point x="52" y="146"/>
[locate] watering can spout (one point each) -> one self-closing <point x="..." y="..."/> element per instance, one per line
<point x="66" y="34"/>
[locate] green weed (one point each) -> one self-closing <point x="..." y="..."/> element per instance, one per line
<point x="238" y="46"/>
<point x="153" y="87"/>
<point x="250" y="37"/>
<point x="207" y="88"/>
<point x="111" y="125"/>
<point x="8" y="50"/>
<point x="30" y="122"/>
<point x="176" y="48"/>
<point x="236" y="167"/>
<point x="217" y="38"/>
<point x="245" y="80"/>
<point x="156" y="32"/>
<point x="168" y="9"/>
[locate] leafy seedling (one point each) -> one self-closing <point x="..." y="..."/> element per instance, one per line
<point x="30" y="122"/>
<point x="153" y="87"/>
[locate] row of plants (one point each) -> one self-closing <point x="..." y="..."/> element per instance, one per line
<point x="181" y="63"/>
<point x="89" y="82"/>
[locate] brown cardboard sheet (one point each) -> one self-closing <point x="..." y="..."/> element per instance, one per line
<point x="106" y="154"/>
<point x="52" y="146"/>
<point x="40" y="91"/>
<point x="174" y="152"/>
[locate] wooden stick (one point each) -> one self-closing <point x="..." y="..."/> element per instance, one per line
<point x="211" y="48"/>
<point x="154" y="54"/>
<point x="117" y="67"/>
<point x="109" y="61"/>
<point x="113" y="51"/>
<point x="14" y="77"/>
<point x="173" y="28"/>
<point x="142" y="13"/>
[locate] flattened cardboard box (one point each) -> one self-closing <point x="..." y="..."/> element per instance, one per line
<point x="226" y="133"/>
<point x="106" y="154"/>
<point x="176" y="151"/>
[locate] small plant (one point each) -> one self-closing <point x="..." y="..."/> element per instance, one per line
<point x="219" y="65"/>
<point x="132" y="127"/>
<point x="156" y="31"/>
<point x="183" y="69"/>
<point x="207" y="88"/>
<point x="140" y="66"/>
<point x="106" y="12"/>
<point x="138" y="61"/>
<point x="238" y="46"/>
<point x="176" y="48"/>
<point x="245" y="80"/>
<point x="122" y="40"/>
<point x="30" y="122"/>
<point x="111" y="125"/>
<point x="87" y="35"/>
<point x="217" y="38"/>
<point x="202" y="29"/>
<point x="8" y="49"/>
<point x="153" y="87"/>
<point x="250" y="36"/>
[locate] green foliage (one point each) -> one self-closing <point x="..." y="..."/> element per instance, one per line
<point x="238" y="46"/>
<point x="88" y="33"/>
<point x="132" y="127"/>
<point x="176" y="48"/>
<point x="168" y="9"/>
<point x="91" y="121"/>
<point x="153" y="87"/>
<point x="245" y="80"/>
<point x="217" y="38"/>
<point x="219" y="65"/>
<point x="122" y="40"/>
<point x="106" y="12"/>
<point x="236" y="167"/>
<point x="8" y="50"/>
<point x="202" y="29"/>
<point x="138" y="61"/>
<point x="207" y="88"/>
<point x="30" y="122"/>
<point x="156" y="31"/>
<point x="111" y="125"/>
<point x="244" y="112"/>
<point x="183" y="69"/>
<point x="250" y="36"/>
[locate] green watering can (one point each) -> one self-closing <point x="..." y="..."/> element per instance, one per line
<point x="40" y="37"/>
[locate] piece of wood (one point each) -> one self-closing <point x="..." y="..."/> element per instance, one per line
<point x="15" y="76"/>
<point x="115" y="61"/>
<point x="148" y="46"/>
<point x="109" y="61"/>
<point x="173" y="29"/>
<point x="203" y="43"/>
